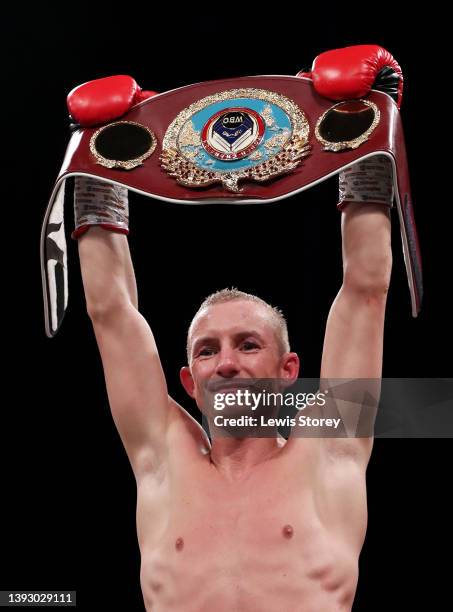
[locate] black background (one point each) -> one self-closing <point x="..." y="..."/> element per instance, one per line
<point x="68" y="493"/>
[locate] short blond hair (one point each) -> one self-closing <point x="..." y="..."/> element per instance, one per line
<point x="229" y="295"/>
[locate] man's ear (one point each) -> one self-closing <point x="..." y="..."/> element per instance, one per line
<point x="290" y="367"/>
<point x="186" y="379"/>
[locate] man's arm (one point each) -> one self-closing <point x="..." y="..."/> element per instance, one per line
<point x="135" y="381"/>
<point x="353" y="344"/>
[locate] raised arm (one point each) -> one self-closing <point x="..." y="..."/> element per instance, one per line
<point x="136" y="385"/>
<point x="353" y="343"/>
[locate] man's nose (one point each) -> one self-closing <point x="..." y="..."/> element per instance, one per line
<point x="227" y="365"/>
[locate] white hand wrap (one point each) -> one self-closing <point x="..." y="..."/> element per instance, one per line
<point x="369" y="181"/>
<point x="99" y="203"/>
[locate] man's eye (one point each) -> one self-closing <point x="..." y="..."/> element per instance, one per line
<point x="204" y="352"/>
<point x="248" y="346"/>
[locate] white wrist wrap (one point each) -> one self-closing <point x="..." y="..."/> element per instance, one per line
<point x="369" y="181"/>
<point x="99" y="203"/>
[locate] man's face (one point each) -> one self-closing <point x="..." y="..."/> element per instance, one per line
<point x="230" y="340"/>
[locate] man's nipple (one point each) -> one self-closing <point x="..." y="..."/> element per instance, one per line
<point x="288" y="531"/>
<point x="179" y="544"/>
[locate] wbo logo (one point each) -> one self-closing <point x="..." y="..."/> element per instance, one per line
<point x="233" y="133"/>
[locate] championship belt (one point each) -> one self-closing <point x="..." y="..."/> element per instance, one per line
<point x="244" y="140"/>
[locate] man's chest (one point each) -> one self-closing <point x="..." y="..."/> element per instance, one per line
<point x="269" y="507"/>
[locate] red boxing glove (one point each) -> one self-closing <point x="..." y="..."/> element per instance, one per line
<point x="103" y="100"/>
<point x="351" y="72"/>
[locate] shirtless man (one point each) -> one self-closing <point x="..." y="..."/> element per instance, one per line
<point x="249" y="524"/>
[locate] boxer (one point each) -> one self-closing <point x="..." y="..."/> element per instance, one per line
<point x="243" y="524"/>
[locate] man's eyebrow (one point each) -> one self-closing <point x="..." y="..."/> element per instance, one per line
<point x="237" y="336"/>
<point x="251" y="332"/>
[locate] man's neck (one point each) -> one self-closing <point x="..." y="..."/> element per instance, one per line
<point x="236" y="457"/>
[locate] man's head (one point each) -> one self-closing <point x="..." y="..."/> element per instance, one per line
<point x="236" y="335"/>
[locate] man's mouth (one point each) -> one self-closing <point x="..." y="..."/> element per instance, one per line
<point x="223" y="387"/>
